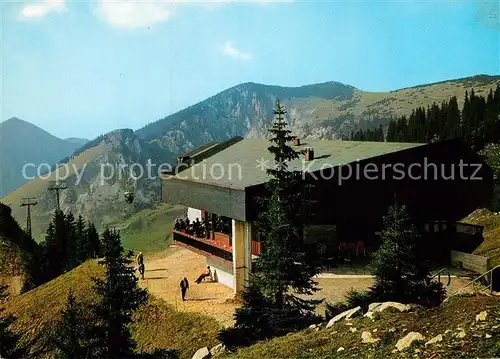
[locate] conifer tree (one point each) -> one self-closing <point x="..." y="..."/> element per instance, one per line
<point x="8" y="339"/>
<point x="71" y="334"/>
<point x="120" y="297"/>
<point x="391" y="131"/>
<point x="286" y="265"/>
<point x="401" y="273"/>
<point x="72" y="241"/>
<point x="93" y="243"/>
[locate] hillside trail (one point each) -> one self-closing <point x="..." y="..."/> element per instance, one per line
<point x="165" y="270"/>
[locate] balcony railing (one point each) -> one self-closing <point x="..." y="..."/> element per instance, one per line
<point x="204" y="246"/>
<point x="219" y="245"/>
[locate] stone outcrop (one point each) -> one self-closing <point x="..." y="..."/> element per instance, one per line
<point x="218" y="350"/>
<point x="202" y="353"/>
<point x="436" y="339"/>
<point x="367" y="337"/>
<point x="408" y="340"/>
<point x="348" y="314"/>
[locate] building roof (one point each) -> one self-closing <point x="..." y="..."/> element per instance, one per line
<point x="200" y="149"/>
<point x="244" y="163"/>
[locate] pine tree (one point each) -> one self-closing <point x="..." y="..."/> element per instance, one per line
<point x="8" y="339"/>
<point x="120" y="297"/>
<point x="81" y="243"/>
<point x="286" y="265"/>
<point x="93" y="243"/>
<point x="391" y="131"/>
<point x="72" y="241"/>
<point x="71" y="334"/>
<point x="401" y="273"/>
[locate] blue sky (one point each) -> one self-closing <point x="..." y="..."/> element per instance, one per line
<point x="84" y="68"/>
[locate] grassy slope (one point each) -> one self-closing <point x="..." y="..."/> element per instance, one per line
<point x="149" y="229"/>
<point x="156" y="325"/>
<point x="399" y="102"/>
<point x="458" y="312"/>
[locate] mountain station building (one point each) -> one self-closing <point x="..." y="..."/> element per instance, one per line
<point x="354" y="183"/>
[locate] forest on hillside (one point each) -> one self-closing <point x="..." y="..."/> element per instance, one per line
<point x="477" y="123"/>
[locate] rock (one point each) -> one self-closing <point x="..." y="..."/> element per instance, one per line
<point x="355" y="312"/>
<point x="218" y="350"/>
<point x="408" y="340"/>
<point x="495" y="327"/>
<point x="340" y="349"/>
<point x="351" y="313"/>
<point x="366" y="337"/>
<point x="348" y="323"/>
<point x="396" y="305"/>
<point x="460" y="335"/>
<point x="436" y="339"/>
<point x="312" y="326"/>
<point x="392" y="330"/>
<point x="372" y="306"/>
<point x="481" y="316"/>
<point x="375" y="330"/>
<point x="316" y="329"/>
<point x="202" y="353"/>
<point x="370" y="315"/>
<point x="487" y="336"/>
<point x="334" y="332"/>
<point x="353" y="330"/>
<point x="447" y="331"/>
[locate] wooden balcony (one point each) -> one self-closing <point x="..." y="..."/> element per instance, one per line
<point x="214" y="249"/>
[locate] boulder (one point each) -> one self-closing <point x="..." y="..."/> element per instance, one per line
<point x="367" y="337"/>
<point x="481" y="317"/>
<point x="436" y="339"/>
<point x="395" y="305"/>
<point x="312" y="326"/>
<point x="408" y="340"/>
<point x="202" y="353"/>
<point x="372" y="306"/>
<point x="348" y="314"/>
<point x="218" y="350"/>
<point x="355" y="312"/>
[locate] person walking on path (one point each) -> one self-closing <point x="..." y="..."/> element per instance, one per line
<point x="140" y="264"/>
<point x="184" y="288"/>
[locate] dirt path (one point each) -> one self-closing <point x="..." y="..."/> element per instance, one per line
<point x="163" y="275"/>
<point x="165" y="270"/>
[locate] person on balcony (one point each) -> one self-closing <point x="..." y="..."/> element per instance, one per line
<point x="205" y="274"/>
<point x="177" y="225"/>
<point x="184" y="288"/>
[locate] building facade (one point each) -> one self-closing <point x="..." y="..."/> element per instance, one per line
<point x="353" y="184"/>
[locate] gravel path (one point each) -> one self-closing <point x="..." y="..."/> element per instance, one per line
<point x="164" y="272"/>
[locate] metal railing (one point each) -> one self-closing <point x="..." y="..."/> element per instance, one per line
<point x="438" y="274"/>
<point x="490" y="284"/>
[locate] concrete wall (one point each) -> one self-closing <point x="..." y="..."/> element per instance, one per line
<point x="475" y="263"/>
<point x="193" y="213"/>
<point x="224" y="274"/>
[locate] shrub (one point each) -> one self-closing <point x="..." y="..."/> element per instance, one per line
<point x="335" y="309"/>
<point x="361" y="298"/>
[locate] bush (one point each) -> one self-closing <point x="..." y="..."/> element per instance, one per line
<point x="360" y="298"/>
<point x="335" y="309"/>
